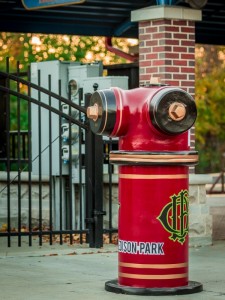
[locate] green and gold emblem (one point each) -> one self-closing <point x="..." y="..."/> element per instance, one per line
<point x="174" y="217"/>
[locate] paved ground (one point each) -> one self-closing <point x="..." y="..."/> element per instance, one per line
<point x="73" y="272"/>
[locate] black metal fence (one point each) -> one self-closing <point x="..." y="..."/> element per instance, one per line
<point x="51" y="166"/>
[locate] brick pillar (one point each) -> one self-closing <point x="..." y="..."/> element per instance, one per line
<point x="167" y="46"/>
<point x="167" y="51"/>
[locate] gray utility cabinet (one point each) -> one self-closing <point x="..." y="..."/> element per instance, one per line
<point x="58" y="71"/>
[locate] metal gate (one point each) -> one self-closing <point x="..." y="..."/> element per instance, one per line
<point x="42" y="193"/>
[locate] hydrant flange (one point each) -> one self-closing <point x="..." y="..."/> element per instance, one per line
<point x="182" y="158"/>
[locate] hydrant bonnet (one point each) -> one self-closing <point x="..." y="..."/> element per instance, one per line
<point x="170" y="110"/>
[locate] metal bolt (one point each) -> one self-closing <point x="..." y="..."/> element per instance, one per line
<point x="95" y="86"/>
<point x="177" y="111"/>
<point x="93" y="112"/>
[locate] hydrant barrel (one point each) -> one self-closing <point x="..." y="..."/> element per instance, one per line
<point x="154" y="157"/>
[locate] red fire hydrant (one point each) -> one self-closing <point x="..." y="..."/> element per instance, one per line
<point x="154" y="154"/>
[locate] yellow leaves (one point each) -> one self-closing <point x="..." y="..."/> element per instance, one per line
<point x="35" y="40"/>
<point x="51" y="50"/>
<point x="39" y="47"/>
<point x="210" y="101"/>
<point x="199" y="52"/>
<point x="4" y="228"/>
<point x="89" y="56"/>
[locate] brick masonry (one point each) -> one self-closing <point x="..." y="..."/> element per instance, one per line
<point x="167" y="51"/>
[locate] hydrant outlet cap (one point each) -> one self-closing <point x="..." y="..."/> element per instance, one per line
<point x="102" y="112"/>
<point x="172" y="111"/>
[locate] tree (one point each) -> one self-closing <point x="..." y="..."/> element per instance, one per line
<point x="28" y="48"/>
<point x="210" y="79"/>
<point x="210" y="100"/>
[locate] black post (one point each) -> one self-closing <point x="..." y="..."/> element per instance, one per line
<point x="94" y="186"/>
<point x="98" y="179"/>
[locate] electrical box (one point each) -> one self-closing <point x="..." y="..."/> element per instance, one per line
<point x="47" y="74"/>
<point x="104" y="83"/>
<point x="77" y="74"/>
<point x="56" y="77"/>
<point x="84" y="71"/>
<point x="54" y="138"/>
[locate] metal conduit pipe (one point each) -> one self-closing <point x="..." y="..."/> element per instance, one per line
<point x="109" y="46"/>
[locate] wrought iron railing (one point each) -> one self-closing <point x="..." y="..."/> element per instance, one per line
<point x="41" y="196"/>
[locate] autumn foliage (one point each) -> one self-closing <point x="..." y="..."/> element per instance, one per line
<point x="210" y="79"/>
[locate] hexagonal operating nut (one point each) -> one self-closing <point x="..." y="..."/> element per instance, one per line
<point x="93" y="112"/>
<point x="177" y="111"/>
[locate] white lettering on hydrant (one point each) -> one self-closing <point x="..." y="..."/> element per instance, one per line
<point x="140" y="248"/>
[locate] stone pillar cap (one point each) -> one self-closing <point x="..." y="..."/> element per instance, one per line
<point x="166" y="12"/>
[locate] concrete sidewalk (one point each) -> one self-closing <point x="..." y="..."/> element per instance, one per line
<point x="78" y="272"/>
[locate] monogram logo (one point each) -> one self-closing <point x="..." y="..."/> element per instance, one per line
<point x="174" y="217"/>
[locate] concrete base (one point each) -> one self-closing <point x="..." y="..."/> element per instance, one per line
<point x="191" y="288"/>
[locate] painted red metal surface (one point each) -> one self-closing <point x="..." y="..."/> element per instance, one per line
<point x="134" y="127"/>
<point x="109" y="46"/>
<point x="153" y="158"/>
<point x="153" y="200"/>
<point x="148" y="255"/>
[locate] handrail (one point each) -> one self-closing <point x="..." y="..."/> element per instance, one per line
<point x="41" y="89"/>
